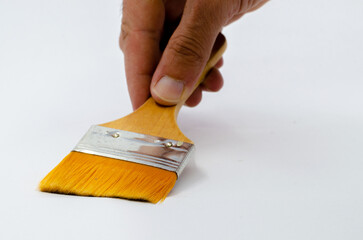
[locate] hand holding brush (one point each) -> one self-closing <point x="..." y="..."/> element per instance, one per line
<point x="170" y="47"/>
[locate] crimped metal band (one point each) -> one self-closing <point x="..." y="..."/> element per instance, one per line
<point x="145" y="149"/>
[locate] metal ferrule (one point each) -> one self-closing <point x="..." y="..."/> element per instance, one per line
<point x="145" y="149"/>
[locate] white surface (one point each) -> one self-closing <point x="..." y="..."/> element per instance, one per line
<point x="279" y="149"/>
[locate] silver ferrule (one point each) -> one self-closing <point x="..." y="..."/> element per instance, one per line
<point x="145" y="149"/>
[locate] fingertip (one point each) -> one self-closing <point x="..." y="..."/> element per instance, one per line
<point x="195" y="98"/>
<point x="213" y="81"/>
<point x="167" y="91"/>
<point x="220" y="63"/>
<point x="138" y="91"/>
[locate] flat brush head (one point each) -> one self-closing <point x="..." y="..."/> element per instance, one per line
<point x="109" y="162"/>
<point x="90" y="175"/>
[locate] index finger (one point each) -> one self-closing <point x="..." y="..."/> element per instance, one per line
<point x="141" y="29"/>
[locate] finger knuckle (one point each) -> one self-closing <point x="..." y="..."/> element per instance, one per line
<point x="188" y="48"/>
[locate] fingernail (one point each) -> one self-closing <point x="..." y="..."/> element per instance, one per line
<point x="169" y="89"/>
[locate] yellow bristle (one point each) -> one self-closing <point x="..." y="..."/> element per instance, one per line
<point x="91" y="175"/>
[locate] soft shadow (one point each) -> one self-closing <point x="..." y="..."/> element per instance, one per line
<point x="190" y="177"/>
<point x="206" y="133"/>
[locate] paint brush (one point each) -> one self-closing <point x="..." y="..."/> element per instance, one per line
<point x="138" y="157"/>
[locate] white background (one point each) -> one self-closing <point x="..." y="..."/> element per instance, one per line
<point x="279" y="149"/>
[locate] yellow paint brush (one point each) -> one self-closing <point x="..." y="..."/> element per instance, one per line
<point x="136" y="157"/>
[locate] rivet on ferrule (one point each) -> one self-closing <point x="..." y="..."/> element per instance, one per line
<point x="168" y="144"/>
<point x="115" y="135"/>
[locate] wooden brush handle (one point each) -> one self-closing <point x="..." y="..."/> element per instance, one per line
<point x="216" y="54"/>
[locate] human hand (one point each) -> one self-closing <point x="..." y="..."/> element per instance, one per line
<point x="166" y="44"/>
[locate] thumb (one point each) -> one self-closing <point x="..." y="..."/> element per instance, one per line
<point x="186" y="53"/>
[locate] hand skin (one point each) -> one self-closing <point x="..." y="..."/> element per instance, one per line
<point x="166" y="44"/>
